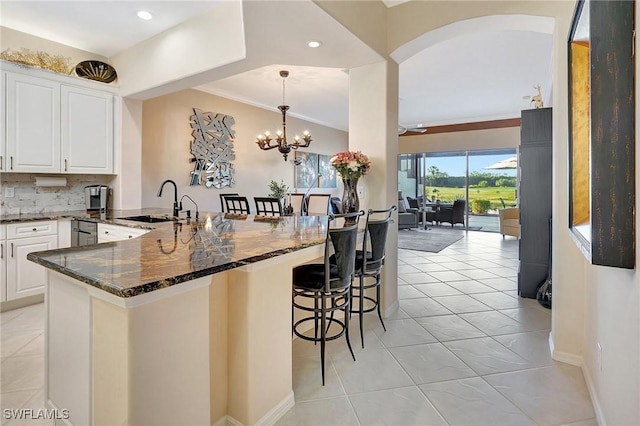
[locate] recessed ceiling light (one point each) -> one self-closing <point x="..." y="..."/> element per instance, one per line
<point x="313" y="43"/>
<point x="143" y="14"/>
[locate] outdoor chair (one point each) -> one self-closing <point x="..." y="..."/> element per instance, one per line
<point x="451" y="214"/>
<point x="510" y="221"/>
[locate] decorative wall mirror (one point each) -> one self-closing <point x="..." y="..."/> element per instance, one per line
<point x="580" y="151"/>
<point x="212" y="149"/>
<point x="602" y="131"/>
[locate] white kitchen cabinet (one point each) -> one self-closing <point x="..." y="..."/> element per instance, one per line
<point x="3" y="263"/>
<point x="64" y="233"/>
<point x="87" y="131"/>
<point x="108" y="232"/>
<point x="56" y="123"/>
<point x="32" y="124"/>
<point x="25" y="278"/>
<point x="3" y="132"/>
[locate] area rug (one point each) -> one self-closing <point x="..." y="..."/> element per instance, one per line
<point x="433" y="240"/>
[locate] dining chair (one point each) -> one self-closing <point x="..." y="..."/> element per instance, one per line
<point x="296" y="203"/>
<point x="268" y="206"/>
<point x="318" y="204"/>
<point x="222" y="202"/>
<point x="321" y="289"/>
<point x="237" y="204"/>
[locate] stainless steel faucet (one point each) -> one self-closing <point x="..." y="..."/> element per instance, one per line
<point x="176" y="209"/>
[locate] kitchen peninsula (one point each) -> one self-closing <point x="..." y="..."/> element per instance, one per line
<point x="186" y="324"/>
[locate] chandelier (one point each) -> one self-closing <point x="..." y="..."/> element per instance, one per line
<point x="265" y="141"/>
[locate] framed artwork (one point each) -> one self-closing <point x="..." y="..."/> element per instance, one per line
<point x="306" y="170"/>
<point x="327" y="172"/>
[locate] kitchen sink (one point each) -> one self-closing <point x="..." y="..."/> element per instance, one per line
<point x="148" y="219"/>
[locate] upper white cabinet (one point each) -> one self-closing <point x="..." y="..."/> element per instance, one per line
<point x="56" y="123"/>
<point x="87" y="131"/>
<point x="33" y="124"/>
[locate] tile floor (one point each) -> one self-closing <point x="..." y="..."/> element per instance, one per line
<point x="462" y="350"/>
<point x="22" y="367"/>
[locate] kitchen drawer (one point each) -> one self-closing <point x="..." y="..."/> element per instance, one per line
<point x="32" y="229"/>
<point x="108" y="232"/>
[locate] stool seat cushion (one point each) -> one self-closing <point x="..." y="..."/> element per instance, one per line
<point x="312" y="276"/>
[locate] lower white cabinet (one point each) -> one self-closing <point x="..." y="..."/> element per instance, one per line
<point x="3" y="263"/>
<point x="23" y="277"/>
<point x="108" y="232"/>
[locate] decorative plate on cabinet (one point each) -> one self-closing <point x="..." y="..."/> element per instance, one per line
<point x="96" y="70"/>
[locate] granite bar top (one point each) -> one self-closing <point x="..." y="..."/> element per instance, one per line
<point x="179" y="250"/>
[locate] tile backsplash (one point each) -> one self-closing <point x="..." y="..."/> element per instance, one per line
<point x="30" y="199"/>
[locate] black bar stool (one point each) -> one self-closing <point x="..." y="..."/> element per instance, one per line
<point x="369" y="263"/>
<point x="328" y="285"/>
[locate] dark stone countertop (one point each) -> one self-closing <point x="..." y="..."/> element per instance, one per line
<point x="176" y="251"/>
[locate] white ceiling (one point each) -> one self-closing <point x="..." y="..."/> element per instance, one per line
<point x="470" y="77"/>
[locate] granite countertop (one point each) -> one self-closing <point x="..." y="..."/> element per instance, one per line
<point x="177" y="251"/>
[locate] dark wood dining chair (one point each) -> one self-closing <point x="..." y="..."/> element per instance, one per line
<point x="237" y="204"/>
<point x="222" y="197"/>
<point x="268" y="206"/>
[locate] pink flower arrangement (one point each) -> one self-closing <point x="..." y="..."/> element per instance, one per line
<point x="350" y="164"/>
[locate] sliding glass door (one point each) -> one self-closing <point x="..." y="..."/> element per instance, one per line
<point x="484" y="180"/>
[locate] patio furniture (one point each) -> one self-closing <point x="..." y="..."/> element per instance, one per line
<point x="510" y="221"/>
<point x="451" y="214"/>
<point x="416" y="207"/>
<point x="407" y="218"/>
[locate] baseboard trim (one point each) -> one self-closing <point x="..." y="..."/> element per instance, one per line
<point x="578" y="361"/>
<point x="565" y="357"/>
<point x="268" y="419"/>
<point x="278" y="411"/>
<point x="594" y="396"/>
<point x="390" y="310"/>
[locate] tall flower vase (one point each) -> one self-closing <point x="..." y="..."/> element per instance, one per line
<point x="350" y="200"/>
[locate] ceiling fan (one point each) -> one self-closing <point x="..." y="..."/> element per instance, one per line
<point x="418" y="128"/>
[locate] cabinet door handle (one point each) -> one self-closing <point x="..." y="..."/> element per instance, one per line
<point x="1" y="251"/>
<point x="35" y="229"/>
<point x="65" y="164"/>
<point x="11" y="162"/>
<point x="1" y="157"/>
<point x="11" y="249"/>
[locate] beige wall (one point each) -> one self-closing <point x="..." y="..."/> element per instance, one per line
<point x="15" y="40"/>
<point x="166" y="135"/>
<point x="591" y="304"/>
<point x="508" y="137"/>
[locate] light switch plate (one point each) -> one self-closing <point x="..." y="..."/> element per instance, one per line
<point x="9" y="192"/>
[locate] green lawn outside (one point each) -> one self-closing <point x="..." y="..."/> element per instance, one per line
<point x="491" y="193"/>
